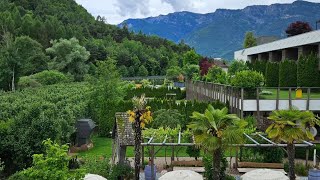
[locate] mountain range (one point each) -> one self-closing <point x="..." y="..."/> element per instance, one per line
<point x="222" y="32"/>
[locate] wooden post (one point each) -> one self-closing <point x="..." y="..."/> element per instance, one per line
<point x="231" y="100"/>
<point x="290" y="98"/>
<point x="238" y="103"/>
<point x="308" y="99"/>
<point x="242" y="98"/>
<point x="278" y="97"/>
<point x="142" y="156"/>
<point x="307" y="157"/>
<point x="258" y="105"/>
<point x="236" y="165"/>
<point x="153" y="173"/>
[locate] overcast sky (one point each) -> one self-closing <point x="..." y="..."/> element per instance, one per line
<point x="116" y="11"/>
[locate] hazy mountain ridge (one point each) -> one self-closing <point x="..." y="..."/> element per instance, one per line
<point x="220" y="33"/>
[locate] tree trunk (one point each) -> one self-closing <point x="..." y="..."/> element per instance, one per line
<point x="291" y="153"/>
<point x="216" y="164"/>
<point x="137" y="144"/>
<point x="13" y="88"/>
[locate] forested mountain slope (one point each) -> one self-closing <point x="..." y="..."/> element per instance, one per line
<point x="220" y="33"/>
<point x="30" y="26"/>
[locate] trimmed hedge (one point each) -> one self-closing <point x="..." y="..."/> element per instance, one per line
<point x="288" y="73"/>
<point x="260" y="66"/>
<point x="186" y="109"/>
<point x="155" y="93"/>
<point x="308" y="71"/>
<point x="272" y="74"/>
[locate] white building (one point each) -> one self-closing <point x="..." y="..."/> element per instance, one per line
<point x="289" y="48"/>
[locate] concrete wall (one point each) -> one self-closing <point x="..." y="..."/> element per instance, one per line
<point x="270" y="105"/>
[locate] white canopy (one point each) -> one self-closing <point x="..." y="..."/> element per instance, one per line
<point x="181" y="175"/>
<point x="264" y="174"/>
<point x="94" y="177"/>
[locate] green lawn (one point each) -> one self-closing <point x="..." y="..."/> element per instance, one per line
<point x="284" y="94"/>
<point x="103" y="148"/>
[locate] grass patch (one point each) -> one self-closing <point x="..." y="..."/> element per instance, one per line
<point x="103" y="148"/>
<point x="284" y="94"/>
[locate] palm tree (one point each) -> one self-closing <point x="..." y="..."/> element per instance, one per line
<point x="291" y="126"/>
<point x="140" y="116"/>
<point x="214" y="131"/>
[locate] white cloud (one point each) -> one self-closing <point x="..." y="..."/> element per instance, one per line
<point x="118" y="10"/>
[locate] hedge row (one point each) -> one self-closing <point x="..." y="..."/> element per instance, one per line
<point x="287" y="74"/>
<point x="272" y="74"/>
<point x="185" y="109"/>
<point x="304" y="73"/>
<point x="308" y="71"/>
<point x="155" y="93"/>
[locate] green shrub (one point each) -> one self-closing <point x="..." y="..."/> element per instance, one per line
<point x="308" y="71"/>
<point x="53" y="165"/>
<point x="167" y="118"/>
<point x="207" y="162"/>
<point x="97" y="166"/>
<point x="248" y="79"/>
<point x="124" y="171"/>
<point x="301" y="169"/>
<point x="288" y="74"/>
<point x="266" y="155"/>
<point x="193" y="151"/>
<point x="27" y="81"/>
<point x="217" y="74"/>
<point x="272" y="74"/>
<point x="237" y="66"/>
<point x="51" y="77"/>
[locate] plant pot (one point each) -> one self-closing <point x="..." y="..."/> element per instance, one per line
<point x="314" y="174"/>
<point x="179" y="84"/>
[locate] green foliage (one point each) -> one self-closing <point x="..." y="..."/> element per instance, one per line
<point x="142" y="71"/>
<point x="28" y="81"/>
<point x="272" y="74"/>
<point x="308" y="71"/>
<point x="249" y="40"/>
<point x="33" y="115"/>
<point x="284" y="125"/>
<point x="191" y="69"/>
<point x="51" y="165"/>
<point x="43" y="78"/>
<point x="260" y="66"/>
<point x="193" y="151"/>
<point x="167" y="118"/>
<point x="107" y="91"/>
<point x="145" y="83"/>
<point x="69" y="57"/>
<point x="1" y="166"/>
<point x="119" y="170"/>
<point x="217" y="74"/>
<point x="237" y="66"/>
<point x="265" y="155"/>
<point x="191" y="57"/>
<point x="301" y="169"/>
<point x="207" y="162"/>
<point x="173" y="73"/>
<point x="99" y="166"/>
<point x="155" y="93"/>
<point x="248" y="79"/>
<point x="287" y="73"/>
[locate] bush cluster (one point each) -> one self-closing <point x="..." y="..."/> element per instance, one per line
<point x="308" y="71"/>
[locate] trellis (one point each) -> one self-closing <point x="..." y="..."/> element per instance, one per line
<point x="123" y="136"/>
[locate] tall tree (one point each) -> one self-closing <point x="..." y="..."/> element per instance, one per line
<point x="69" y="57"/>
<point x="214" y="131"/>
<point x="249" y="40"/>
<point x="298" y="27"/>
<point x="291" y="126"/>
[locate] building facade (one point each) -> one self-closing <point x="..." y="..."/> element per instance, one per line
<point x="290" y="48"/>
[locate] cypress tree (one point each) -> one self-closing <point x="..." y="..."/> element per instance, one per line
<point x="288" y="74"/>
<point x="272" y="74"/>
<point x="308" y="71"/>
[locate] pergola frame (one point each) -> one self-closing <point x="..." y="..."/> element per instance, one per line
<point x="255" y="143"/>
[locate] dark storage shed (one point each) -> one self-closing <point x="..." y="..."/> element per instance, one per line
<point x="84" y="129"/>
